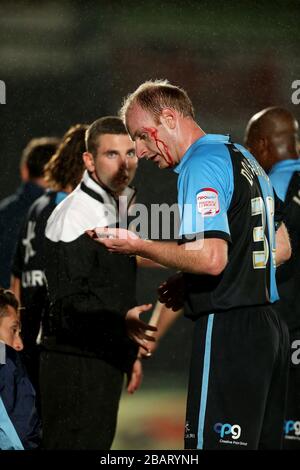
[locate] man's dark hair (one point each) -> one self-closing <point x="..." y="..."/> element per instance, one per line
<point x="66" y="166"/>
<point x="7" y="297"/>
<point x="37" y="153"/>
<point x="104" y="125"/>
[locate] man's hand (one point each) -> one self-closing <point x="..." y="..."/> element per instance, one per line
<point x="136" y="328"/>
<point x="150" y="349"/>
<point x="134" y="377"/>
<point x="163" y="318"/>
<point x="116" y="240"/>
<point x="172" y="292"/>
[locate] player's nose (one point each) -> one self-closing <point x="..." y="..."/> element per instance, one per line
<point x="18" y="343"/>
<point x="141" y="150"/>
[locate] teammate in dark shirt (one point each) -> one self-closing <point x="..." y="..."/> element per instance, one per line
<point x="19" y="422"/>
<point x="240" y="351"/>
<point x="13" y="209"/>
<point x="62" y="174"/>
<point x="272" y="137"/>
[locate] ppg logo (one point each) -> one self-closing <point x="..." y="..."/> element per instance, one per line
<point x="292" y="426"/>
<point x="2" y="92"/>
<point x="224" y="429"/>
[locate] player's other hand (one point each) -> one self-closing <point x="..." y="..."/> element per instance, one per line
<point x="172" y="292"/>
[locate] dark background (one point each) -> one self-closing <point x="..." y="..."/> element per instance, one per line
<point x="73" y="61"/>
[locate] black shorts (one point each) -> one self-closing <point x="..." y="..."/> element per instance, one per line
<point x="238" y="381"/>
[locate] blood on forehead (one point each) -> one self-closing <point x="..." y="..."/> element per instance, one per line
<point x="166" y="154"/>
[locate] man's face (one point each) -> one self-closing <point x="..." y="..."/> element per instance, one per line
<point x="279" y="142"/>
<point x="152" y="140"/>
<point x="115" y="163"/>
<point x="284" y="138"/>
<point x="10" y="329"/>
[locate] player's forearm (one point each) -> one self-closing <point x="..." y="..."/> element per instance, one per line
<point x="166" y="319"/>
<point x="181" y="257"/>
<point x="148" y="263"/>
<point x="163" y="318"/>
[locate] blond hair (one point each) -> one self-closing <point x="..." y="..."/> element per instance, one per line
<point x="154" y="96"/>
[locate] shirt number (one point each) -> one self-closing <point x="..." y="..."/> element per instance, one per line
<point x="266" y="210"/>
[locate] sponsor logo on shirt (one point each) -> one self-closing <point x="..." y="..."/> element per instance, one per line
<point x="33" y="278"/>
<point x="208" y="202"/>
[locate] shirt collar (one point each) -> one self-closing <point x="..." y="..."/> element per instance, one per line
<point x="284" y="164"/>
<point x="206" y="139"/>
<point x="30" y="190"/>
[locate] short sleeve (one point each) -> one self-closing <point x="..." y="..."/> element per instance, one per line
<point x="205" y="190"/>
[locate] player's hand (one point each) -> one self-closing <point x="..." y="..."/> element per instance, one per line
<point x="172" y="292"/>
<point x="135" y="377"/>
<point x="116" y="240"/>
<point x="137" y="328"/>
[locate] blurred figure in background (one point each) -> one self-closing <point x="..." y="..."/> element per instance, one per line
<point x="62" y="174"/>
<point x="272" y="137"/>
<point x="14" y="208"/>
<point x="19" y="422"/>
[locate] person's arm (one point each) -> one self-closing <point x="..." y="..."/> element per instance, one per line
<point x="135" y="377"/>
<point x="166" y="319"/>
<point x="15" y="286"/>
<point x="148" y="263"/>
<point x="208" y="256"/>
<point x="137" y="330"/>
<point x="163" y="318"/>
<point x="283" y="246"/>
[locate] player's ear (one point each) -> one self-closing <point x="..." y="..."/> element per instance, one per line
<point x="168" y="118"/>
<point x="263" y="150"/>
<point x="263" y="144"/>
<point x="264" y="147"/>
<point x="88" y="161"/>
